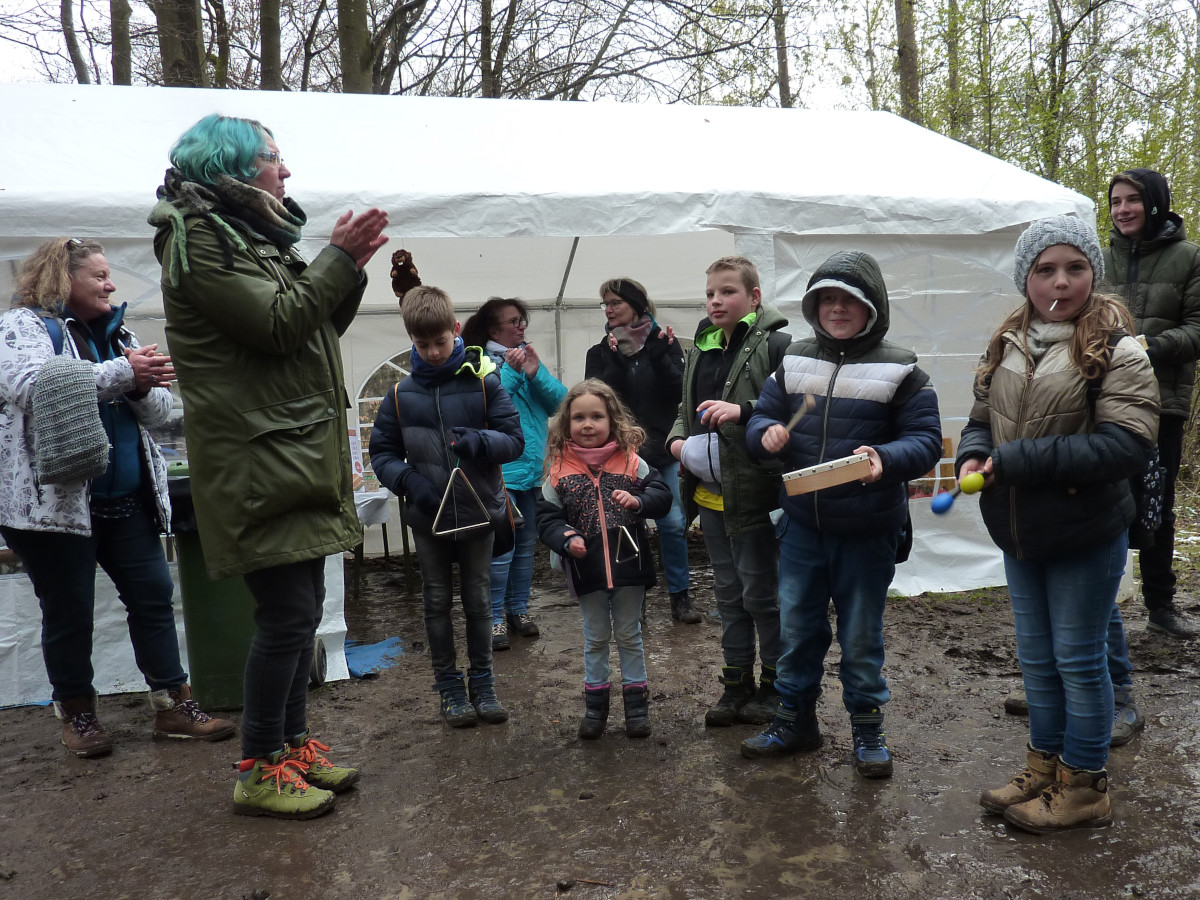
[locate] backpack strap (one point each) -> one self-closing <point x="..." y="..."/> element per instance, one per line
<point x="54" y="328"/>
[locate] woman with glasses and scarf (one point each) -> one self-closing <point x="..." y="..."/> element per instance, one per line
<point x="61" y="526"/>
<point x="254" y="330"/>
<point x="644" y="365"/>
<point x="499" y="328"/>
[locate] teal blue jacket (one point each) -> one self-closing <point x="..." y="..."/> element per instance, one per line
<point x="536" y="400"/>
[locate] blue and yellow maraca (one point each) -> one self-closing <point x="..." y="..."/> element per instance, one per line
<point x="968" y="484"/>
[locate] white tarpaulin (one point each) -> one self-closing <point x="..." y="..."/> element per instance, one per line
<point x="546" y="200"/>
<point x="23" y="675"/>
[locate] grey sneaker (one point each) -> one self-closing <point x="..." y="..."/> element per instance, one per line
<point x="500" y="639"/>
<point x="1127" y="719"/>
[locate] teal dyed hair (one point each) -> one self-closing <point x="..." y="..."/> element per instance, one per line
<point x="220" y="145"/>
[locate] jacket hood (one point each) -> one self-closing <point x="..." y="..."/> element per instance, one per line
<point x="858" y="273"/>
<point x="1156" y="200"/>
<point x="769" y="319"/>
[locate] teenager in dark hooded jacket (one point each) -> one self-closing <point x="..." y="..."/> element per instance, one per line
<point x="1152" y="266"/>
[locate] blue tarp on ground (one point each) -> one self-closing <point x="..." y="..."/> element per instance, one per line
<point x="369" y="659"/>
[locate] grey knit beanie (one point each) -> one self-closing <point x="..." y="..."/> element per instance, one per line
<point x="1056" y="230"/>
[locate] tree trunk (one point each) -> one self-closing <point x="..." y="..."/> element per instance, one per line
<point x="785" y="78"/>
<point x="272" y="65"/>
<point x="490" y="86"/>
<point x="908" y="61"/>
<point x="956" y="112"/>
<point x="122" y="52"/>
<point x="66" y="19"/>
<point x="220" y="30"/>
<point x="180" y="43"/>
<point x="354" y="41"/>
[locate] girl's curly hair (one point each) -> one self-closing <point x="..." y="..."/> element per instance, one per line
<point x="1101" y="316"/>
<point x="623" y="428"/>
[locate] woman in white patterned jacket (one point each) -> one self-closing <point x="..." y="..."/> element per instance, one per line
<point x="60" y="530"/>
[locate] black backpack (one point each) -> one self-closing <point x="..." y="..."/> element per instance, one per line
<point x="1148" y="487"/>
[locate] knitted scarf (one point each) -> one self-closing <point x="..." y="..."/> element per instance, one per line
<point x="631" y="338"/>
<point x="278" y="222"/>
<point x="593" y="457"/>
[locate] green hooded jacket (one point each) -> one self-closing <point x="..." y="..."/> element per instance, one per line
<point x="749" y="488"/>
<point x="255" y="343"/>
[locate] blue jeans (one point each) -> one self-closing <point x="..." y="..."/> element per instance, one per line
<point x="1120" y="670"/>
<point x="608" y="614"/>
<point x="672" y="534"/>
<point x="62" y="568"/>
<point x="852" y="571"/>
<point x="474" y="557"/>
<point x="1061" y="610"/>
<point x="512" y="573"/>
<point x="746" y="588"/>
<point x="288" y="603"/>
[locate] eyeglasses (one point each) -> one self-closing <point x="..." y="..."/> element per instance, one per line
<point x="73" y="242"/>
<point x="515" y="322"/>
<point x="611" y="304"/>
<point x="271" y="157"/>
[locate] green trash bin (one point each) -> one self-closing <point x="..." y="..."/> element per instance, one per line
<point x="217" y="615"/>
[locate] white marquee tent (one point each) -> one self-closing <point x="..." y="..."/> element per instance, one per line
<point x="546" y="200"/>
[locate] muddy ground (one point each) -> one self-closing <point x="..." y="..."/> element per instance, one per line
<point x="527" y="810"/>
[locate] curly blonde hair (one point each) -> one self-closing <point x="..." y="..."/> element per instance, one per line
<point x="44" y="280"/>
<point x="1102" y="315"/>
<point x="622" y="426"/>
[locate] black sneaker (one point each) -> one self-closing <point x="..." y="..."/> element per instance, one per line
<point x="522" y="624"/>
<point x="1169" y="620"/>
<point x="791" y="731"/>
<point x="456" y="708"/>
<point x="872" y="759"/>
<point x="482" y="692"/>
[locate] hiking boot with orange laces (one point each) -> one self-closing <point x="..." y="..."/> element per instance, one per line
<point x="275" y="786"/>
<point x="319" y="771"/>
<point x="177" y="715"/>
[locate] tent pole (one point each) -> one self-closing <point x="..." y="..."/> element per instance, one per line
<point x="558" y="308"/>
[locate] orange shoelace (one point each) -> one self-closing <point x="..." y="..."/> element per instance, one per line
<point x="286" y="771"/>
<point x="310" y="753"/>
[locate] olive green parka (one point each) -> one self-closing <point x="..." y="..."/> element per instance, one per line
<point x="255" y="343"/>
<point x="749" y="488"/>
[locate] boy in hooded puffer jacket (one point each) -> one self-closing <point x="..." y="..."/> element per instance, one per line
<point x="862" y="395"/>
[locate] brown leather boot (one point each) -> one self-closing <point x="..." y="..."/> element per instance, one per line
<point x="82" y="733"/>
<point x="178" y="716"/>
<point x="1039" y="773"/>
<point x="1077" y="799"/>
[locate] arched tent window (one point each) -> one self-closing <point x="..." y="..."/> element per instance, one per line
<point x="371" y="394"/>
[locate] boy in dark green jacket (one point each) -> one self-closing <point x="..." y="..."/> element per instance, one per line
<point x="737" y="347"/>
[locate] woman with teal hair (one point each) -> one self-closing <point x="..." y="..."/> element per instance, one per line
<point x="254" y="333"/>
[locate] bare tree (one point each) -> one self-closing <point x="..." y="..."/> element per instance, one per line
<point x="354" y="43"/>
<point x="908" y="61"/>
<point x="269" y="41"/>
<point x="122" y="51"/>
<point x="66" y="20"/>
<point x="180" y="43"/>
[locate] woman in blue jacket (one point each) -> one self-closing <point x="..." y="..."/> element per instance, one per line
<point x="499" y="328"/>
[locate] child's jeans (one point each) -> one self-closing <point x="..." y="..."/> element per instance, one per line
<point x="746" y="587"/>
<point x="474" y="557"/>
<point x="608" y="614"/>
<point x="512" y="573"/>
<point x="853" y="571"/>
<point x="1061" y="610"/>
